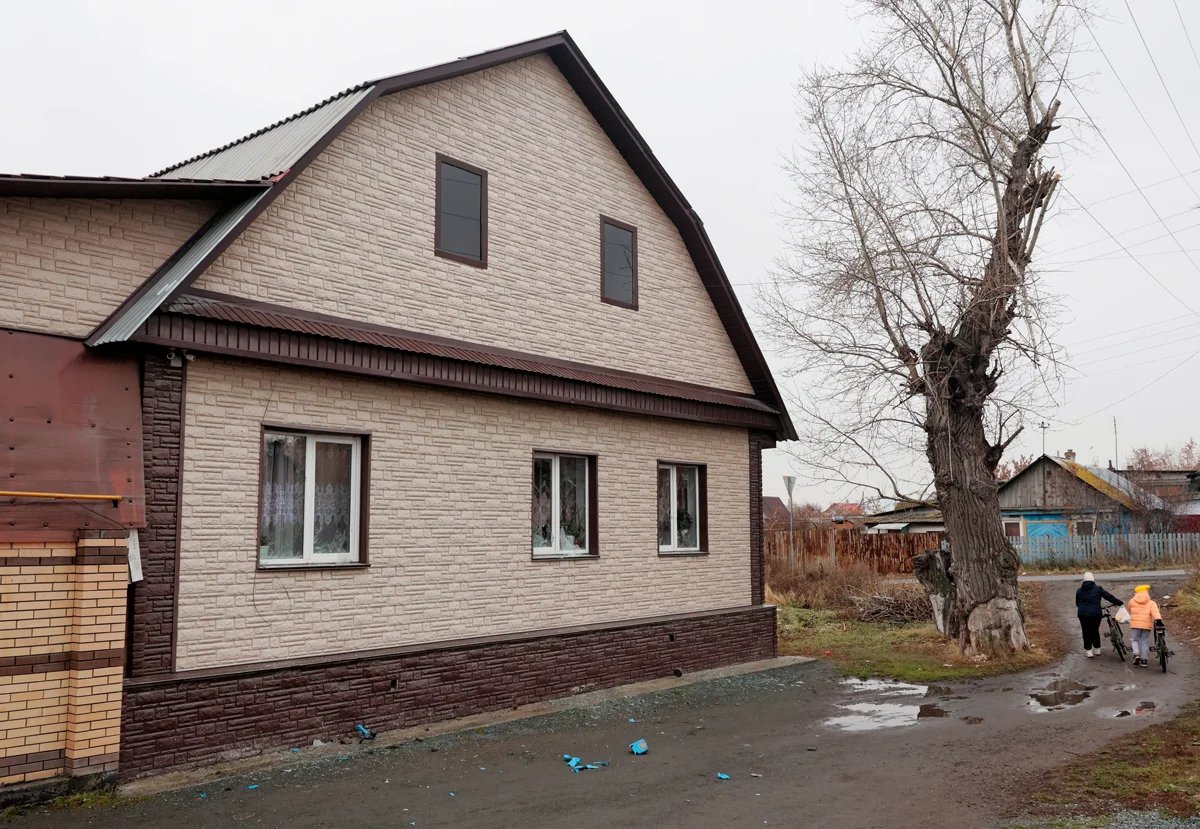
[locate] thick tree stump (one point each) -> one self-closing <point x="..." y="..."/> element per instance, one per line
<point x="932" y="569"/>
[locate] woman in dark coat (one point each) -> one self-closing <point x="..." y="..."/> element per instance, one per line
<point x="1087" y="605"/>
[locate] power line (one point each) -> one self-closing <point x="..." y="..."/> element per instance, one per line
<point x="1136" y="392"/>
<point x="1150" y="347"/>
<point x="1188" y="325"/>
<point x="1183" y="26"/>
<point x="1134" y="328"/>
<point x="1137" y="108"/>
<point x="1161" y="79"/>
<point x="1129" y="253"/>
<point x="1124" y="232"/>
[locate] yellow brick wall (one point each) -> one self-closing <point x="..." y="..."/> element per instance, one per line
<point x="62" y="634"/>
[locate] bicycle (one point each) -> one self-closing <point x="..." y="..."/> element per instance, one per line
<point x="1115" y="635"/>
<point x="1160" y="644"/>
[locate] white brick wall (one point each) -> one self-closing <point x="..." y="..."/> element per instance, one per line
<point x="66" y="264"/>
<point x="353" y="236"/>
<point x="449" y="534"/>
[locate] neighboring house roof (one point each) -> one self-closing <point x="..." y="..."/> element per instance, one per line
<point x="774" y="509"/>
<point x="844" y="509"/>
<point x="1105" y="481"/>
<point x="279" y="153"/>
<point x="118" y="187"/>
<point x="920" y="514"/>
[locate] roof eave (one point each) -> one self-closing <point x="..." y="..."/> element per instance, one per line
<point x="101" y="188"/>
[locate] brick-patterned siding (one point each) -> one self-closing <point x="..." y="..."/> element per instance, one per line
<point x="176" y="722"/>
<point x="62" y="633"/>
<point x="152" y="620"/>
<point x="758" y="442"/>
<point x="66" y="264"/>
<point x="363" y="213"/>
<point x="449" y="518"/>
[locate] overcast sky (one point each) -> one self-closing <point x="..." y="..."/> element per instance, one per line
<point x="125" y="88"/>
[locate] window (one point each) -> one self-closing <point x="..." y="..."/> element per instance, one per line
<point x="311" y="499"/>
<point x="1085" y="528"/>
<point x="1012" y="529"/>
<point x="618" y="263"/>
<point x="682" y="526"/>
<point x="460" y="225"/>
<point x="564" y="505"/>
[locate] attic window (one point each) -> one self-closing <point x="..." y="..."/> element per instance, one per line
<point x="460" y="222"/>
<point x="618" y="263"/>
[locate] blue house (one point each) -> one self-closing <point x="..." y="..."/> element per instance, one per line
<point x="1061" y="497"/>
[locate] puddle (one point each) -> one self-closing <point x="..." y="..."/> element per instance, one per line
<point x="885" y="687"/>
<point x="930" y="709"/>
<point x="878" y="710"/>
<point x="1145" y="707"/>
<point x="972" y="720"/>
<point x="1061" y="693"/>
<point x="939" y="691"/>
<point x="868" y="716"/>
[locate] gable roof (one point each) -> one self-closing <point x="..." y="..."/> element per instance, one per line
<point x="279" y="153"/>
<point x="1105" y="481"/>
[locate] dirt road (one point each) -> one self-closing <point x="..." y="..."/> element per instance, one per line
<point x="801" y="746"/>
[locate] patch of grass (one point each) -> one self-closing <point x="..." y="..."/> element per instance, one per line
<point x="103" y="798"/>
<point x="915" y="651"/>
<point x="1157" y="768"/>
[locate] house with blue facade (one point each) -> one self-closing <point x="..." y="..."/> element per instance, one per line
<point x="1060" y="497"/>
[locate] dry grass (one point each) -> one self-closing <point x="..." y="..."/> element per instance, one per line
<point x="911" y="651"/>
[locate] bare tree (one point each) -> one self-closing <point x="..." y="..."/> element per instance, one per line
<point x="908" y="303"/>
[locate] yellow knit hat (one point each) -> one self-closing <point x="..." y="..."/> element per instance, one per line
<point x="1142" y="587"/>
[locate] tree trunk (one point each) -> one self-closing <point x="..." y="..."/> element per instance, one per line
<point x="932" y="571"/>
<point x="987" y="605"/>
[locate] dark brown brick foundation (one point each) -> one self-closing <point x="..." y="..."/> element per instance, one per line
<point x="199" y="717"/>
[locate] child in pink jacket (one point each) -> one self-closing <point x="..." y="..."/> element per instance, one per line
<point x="1143" y="613"/>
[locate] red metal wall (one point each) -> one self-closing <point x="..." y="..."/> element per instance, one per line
<point x="70" y="422"/>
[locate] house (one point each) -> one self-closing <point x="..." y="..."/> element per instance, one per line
<point x="844" y="513"/>
<point x="1059" y="497"/>
<point x="906" y="518"/>
<point x="774" y="512"/>
<point x="431" y="399"/>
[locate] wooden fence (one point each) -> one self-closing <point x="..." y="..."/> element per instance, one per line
<point x="789" y="555"/>
<point x="1150" y="549"/>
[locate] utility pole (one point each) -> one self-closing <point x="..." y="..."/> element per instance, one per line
<point x="1116" y="449"/>
<point x="1043" y="426"/>
<point x="790" y="481"/>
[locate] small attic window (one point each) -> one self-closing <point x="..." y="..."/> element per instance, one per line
<point x="618" y="263"/>
<point x="460" y="221"/>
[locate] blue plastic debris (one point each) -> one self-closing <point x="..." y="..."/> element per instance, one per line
<point x="722" y="775"/>
<point x="633" y="719"/>
<point x="203" y="795"/>
<point x="252" y="786"/>
<point x="639" y="746"/>
<point x="367" y="734"/>
<point x="454" y="794"/>
<point x="577" y="765"/>
<point x="295" y="751"/>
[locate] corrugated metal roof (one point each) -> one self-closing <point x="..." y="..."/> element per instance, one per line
<point x="260" y="315"/>
<point x="173" y="274"/>
<point x="272" y="150"/>
<point x="1108" y="482"/>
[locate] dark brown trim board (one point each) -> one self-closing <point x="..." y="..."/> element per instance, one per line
<point x="398" y="357"/>
<point x="758" y="442"/>
<point x="182" y="720"/>
<point x="482" y="261"/>
<point x="605" y="220"/>
<point x="113" y="187"/>
<point x="153" y="601"/>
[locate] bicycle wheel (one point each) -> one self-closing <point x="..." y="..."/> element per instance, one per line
<point x="1161" y="642"/>
<point x="1118" y="639"/>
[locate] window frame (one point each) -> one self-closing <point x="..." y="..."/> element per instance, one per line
<point x="591" y="503"/>
<point x="360" y="443"/>
<point x="482" y="261"/>
<point x="701" y="507"/>
<point x="606" y="220"/>
<point x="1004" y="525"/>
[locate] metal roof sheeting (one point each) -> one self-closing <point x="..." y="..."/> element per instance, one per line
<point x="272" y="150"/>
<point x="173" y="274"/>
